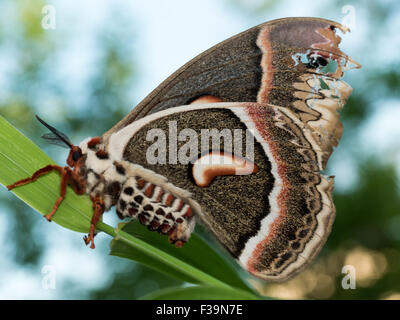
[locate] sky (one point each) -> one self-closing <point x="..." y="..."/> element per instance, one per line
<point x="167" y="34"/>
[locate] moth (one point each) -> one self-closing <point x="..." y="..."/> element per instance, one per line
<point x="266" y="91"/>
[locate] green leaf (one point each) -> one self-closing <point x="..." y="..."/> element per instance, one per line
<point x="200" y="293"/>
<point x="196" y="253"/>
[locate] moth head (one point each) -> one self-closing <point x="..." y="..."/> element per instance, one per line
<point x="75" y="154"/>
<point x="60" y="139"/>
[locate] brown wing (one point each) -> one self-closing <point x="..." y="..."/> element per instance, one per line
<point x="276" y="62"/>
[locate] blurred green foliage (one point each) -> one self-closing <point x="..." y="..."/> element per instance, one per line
<point x="367" y="226"/>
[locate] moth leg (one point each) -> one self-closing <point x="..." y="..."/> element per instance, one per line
<point x="35" y="176"/>
<point x="65" y="175"/>
<point x="180" y="234"/>
<point x="64" y="172"/>
<point x="98" y="209"/>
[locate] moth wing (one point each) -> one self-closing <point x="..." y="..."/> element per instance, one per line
<point x="273" y="220"/>
<point x="279" y="62"/>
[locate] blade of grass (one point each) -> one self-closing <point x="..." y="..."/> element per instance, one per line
<point x="196" y="252"/>
<point x="164" y="262"/>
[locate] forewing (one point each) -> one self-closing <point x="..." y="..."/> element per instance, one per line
<point x="280" y="62"/>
